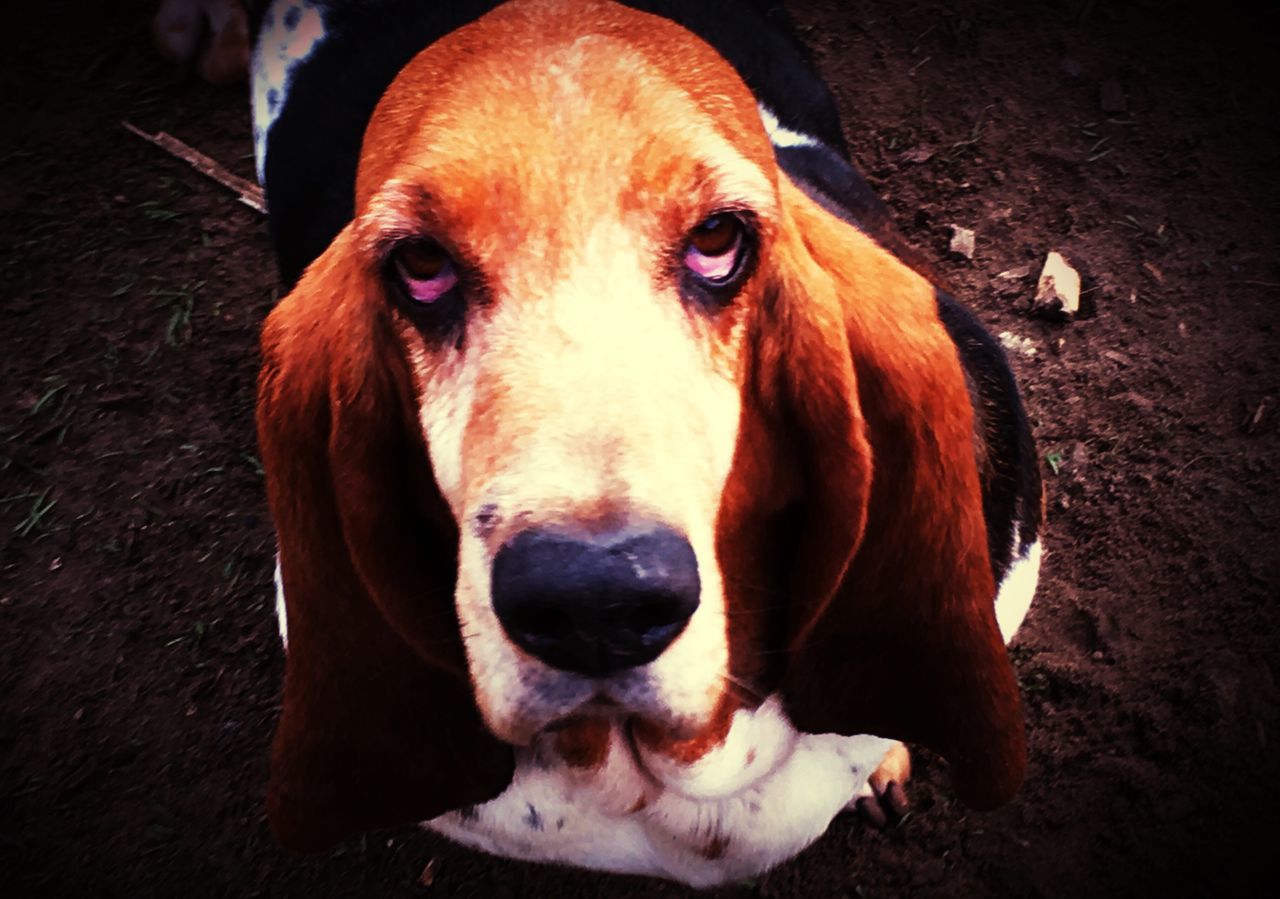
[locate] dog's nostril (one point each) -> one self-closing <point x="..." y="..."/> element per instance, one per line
<point x="542" y="621"/>
<point x="595" y="606"/>
<point x="644" y="619"/>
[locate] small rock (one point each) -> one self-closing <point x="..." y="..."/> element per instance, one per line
<point x="1252" y="423"/>
<point x="1015" y="274"/>
<point x="1058" y="290"/>
<point x="1111" y="97"/>
<point x="1137" y="400"/>
<point x="962" y="241"/>
<point x="919" y="154"/>
<point x="1023" y="345"/>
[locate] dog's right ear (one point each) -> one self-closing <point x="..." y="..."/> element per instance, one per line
<point x="892" y="628"/>
<point x="379" y="725"/>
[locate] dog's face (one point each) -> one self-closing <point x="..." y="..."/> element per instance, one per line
<point x="592" y="394"/>
<point x="571" y="257"/>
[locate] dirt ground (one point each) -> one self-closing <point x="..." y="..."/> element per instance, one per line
<point x="139" y="664"/>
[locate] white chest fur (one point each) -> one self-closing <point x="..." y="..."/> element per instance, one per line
<point x="755" y="800"/>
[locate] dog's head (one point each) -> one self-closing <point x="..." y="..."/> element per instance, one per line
<point x="590" y="414"/>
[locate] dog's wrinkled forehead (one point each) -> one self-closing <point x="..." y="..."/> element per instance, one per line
<point x="529" y="146"/>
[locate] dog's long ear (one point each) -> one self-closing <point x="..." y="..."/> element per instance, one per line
<point x="892" y="626"/>
<point x="378" y="725"/>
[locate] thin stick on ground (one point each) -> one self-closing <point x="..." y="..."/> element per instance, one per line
<point x="249" y="193"/>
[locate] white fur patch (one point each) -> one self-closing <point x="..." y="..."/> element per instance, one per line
<point x="780" y="135"/>
<point x="725" y="820"/>
<point x="282" y="619"/>
<point x="1018" y="588"/>
<point x="291" y="30"/>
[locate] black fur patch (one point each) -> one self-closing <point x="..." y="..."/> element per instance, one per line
<point x="1007" y="460"/>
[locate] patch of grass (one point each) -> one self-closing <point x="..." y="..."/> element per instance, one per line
<point x="1159" y="236"/>
<point x="35" y="518"/>
<point x="975" y="134"/>
<point x="254" y="462"/>
<point x="1096" y="152"/>
<point x="196" y="636"/>
<point x="181" y="304"/>
<point x="56" y="385"/>
<point x="1054" y="461"/>
<point x="49" y="415"/>
<point x="124" y="284"/>
<point x="17" y="497"/>
<point x="155" y="211"/>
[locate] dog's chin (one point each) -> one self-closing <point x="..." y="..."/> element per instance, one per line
<point x="713" y="757"/>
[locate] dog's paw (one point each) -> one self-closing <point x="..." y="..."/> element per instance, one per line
<point x="883" y="799"/>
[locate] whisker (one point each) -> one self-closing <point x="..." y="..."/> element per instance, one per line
<point x="740" y="689"/>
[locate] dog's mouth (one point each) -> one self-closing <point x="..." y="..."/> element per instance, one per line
<point x="604" y="713"/>
<point x="726" y="754"/>
<point x="660" y="748"/>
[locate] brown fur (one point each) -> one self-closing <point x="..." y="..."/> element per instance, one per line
<point x="690" y="749"/>
<point x="584" y="742"/>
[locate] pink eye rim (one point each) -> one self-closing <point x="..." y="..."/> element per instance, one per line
<point x="424" y="271"/>
<point x="717" y="253"/>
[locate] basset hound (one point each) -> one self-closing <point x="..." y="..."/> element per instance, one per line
<point x="633" y="499"/>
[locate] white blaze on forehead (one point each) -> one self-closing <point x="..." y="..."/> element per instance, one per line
<point x="573" y="106"/>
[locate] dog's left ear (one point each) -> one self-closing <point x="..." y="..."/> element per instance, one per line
<point x="378" y="725"/>
<point x="892" y="629"/>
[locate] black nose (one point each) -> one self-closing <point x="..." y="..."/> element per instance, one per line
<point x="599" y="605"/>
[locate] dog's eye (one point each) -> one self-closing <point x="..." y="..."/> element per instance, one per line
<point x="715" y="247"/>
<point x="425" y="270"/>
